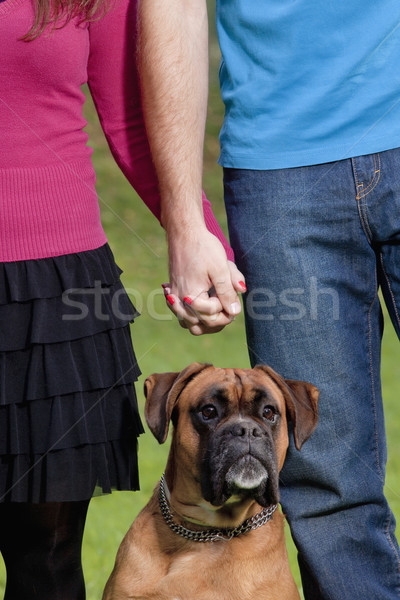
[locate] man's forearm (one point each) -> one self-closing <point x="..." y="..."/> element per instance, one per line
<point x="173" y="63"/>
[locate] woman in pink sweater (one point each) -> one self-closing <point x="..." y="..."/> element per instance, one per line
<point x="68" y="413"/>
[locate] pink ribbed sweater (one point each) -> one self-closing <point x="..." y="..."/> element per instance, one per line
<point x="48" y="202"/>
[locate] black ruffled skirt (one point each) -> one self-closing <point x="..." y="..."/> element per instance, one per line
<point x="69" y="418"/>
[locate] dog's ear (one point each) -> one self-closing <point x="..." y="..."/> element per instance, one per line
<point x="162" y="391"/>
<point x="301" y="400"/>
<point x="303" y="409"/>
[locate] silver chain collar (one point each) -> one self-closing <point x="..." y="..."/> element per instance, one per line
<point x="212" y="535"/>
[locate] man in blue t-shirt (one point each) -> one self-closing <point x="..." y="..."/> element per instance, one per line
<point x="310" y="150"/>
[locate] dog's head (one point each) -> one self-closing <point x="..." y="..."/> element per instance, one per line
<point x="230" y="426"/>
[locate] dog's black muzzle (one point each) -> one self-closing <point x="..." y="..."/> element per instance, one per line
<point x="240" y="460"/>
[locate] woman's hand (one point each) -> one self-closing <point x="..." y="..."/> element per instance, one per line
<point x="204" y="285"/>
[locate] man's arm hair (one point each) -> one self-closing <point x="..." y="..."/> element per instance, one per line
<point x="173" y="64"/>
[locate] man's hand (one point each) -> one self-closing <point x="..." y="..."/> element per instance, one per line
<point x="204" y="285"/>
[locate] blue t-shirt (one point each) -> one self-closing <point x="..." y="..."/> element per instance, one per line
<point x="308" y="81"/>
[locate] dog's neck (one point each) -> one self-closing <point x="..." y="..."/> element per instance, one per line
<point x="201" y="513"/>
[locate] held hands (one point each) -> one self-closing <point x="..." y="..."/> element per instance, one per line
<point x="204" y="285"/>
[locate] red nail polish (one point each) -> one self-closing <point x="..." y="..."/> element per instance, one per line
<point x="164" y="285"/>
<point x="187" y="300"/>
<point x="170" y="299"/>
<point x="243" y="285"/>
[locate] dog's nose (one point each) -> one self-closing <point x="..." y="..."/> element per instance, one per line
<point x="246" y="429"/>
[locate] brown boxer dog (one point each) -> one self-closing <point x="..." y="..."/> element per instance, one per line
<point x="212" y="530"/>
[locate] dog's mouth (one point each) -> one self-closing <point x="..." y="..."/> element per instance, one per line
<point x="241" y="467"/>
<point x="245" y="476"/>
<point x="248" y="476"/>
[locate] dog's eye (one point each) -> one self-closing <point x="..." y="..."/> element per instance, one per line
<point x="209" y="412"/>
<point x="269" y="413"/>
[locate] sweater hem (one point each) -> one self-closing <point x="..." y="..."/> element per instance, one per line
<point x="48" y="211"/>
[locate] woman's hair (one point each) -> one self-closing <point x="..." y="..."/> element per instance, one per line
<point x="57" y="13"/>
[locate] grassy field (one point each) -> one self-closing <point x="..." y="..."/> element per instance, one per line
<point x="139" y="246"/>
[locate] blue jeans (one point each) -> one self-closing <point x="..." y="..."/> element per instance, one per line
<point x="315" y="243"/>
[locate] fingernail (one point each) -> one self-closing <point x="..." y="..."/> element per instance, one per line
<point x="243" y="286"/>
<point x="235" y="308"/>
<point x="187" y="300"/>
<point x="170" y="299"/>
<point x="164" y="285"/>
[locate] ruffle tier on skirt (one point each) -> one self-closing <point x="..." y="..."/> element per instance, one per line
<point x="69" y="418"/>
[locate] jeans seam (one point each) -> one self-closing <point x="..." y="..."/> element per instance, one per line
<point x="362" y="193"/>
<point x="364" y="224"/>
<point x="372" y="186"/>
<point x="358" y="200"/>
<point x="396" y="312"/>
<point x="373" y="379"/>
<point x="389" y="537"/>
<point x="377" y="175"/>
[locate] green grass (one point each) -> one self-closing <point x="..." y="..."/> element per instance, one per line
<point x="161" y="345"/>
